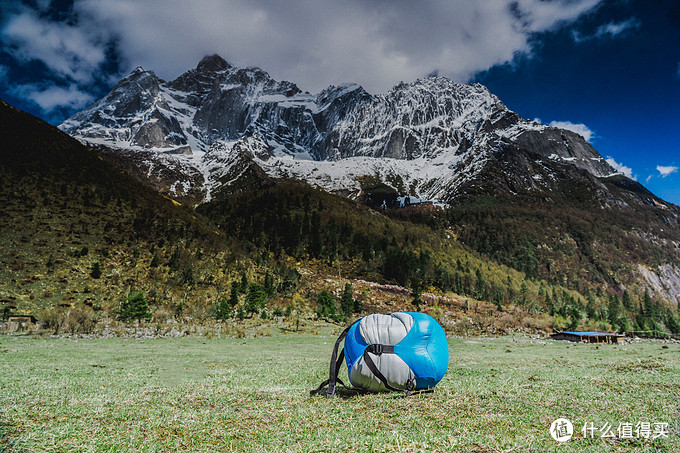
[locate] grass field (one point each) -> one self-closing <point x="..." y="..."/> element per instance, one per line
<point x="190" y="394"/>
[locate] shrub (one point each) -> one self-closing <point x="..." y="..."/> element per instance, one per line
<point x="96" y="271"/>
<point x="222" y="309"/>
<point x="134" y="307"/>
<point x="80" y="320"/>
<point x="347" y="302"/>
<point x="256" y="298"/>
<point x="326" y="306"/>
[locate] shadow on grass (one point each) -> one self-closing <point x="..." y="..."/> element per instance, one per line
<point x="346" y="393"/>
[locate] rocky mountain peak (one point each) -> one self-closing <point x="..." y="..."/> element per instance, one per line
<point x="212" y="63"/>
<point x="428" y="138"/>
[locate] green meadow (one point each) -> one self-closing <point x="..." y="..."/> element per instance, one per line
<point x="193" y="394"/>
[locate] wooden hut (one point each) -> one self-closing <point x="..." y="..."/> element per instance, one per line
<point x="587" y="337"/>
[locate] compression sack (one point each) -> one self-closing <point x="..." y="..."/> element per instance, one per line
<point x="400" y="351"/>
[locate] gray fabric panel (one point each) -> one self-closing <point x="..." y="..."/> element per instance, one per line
<point x="389" y="330"/>
<point x="391" y="366"/>
<point x="385" y="329"/>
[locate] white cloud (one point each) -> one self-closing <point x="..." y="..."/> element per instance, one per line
<point x="71" y="52"/>
<point x="609" y="30"/>
<point x="613" y="29"/>
<point x="580" y="128"/>
<point x="666" y="170"/>
<point x="374" y="43"/>
<point x="53" y="97"/>
<point x="627" y="171"/>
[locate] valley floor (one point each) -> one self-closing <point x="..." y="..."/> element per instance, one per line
<point x="194" y="394"/>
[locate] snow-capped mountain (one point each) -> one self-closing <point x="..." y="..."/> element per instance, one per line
<point x="432" y="139"/>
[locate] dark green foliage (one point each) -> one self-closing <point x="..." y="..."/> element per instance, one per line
<point x="574" y="317"/>
<point x="269" y="284"/>
<point x="562" y="237"/>
<point x="155" y="260"/>
<point x="289" y="280"/>
<point x="173" y="262"/>
<point x="187" y="277"/>
<point x="233" y="295"/>
<point x="416" y="293"/>
<point x="244" y="282"/>
<point x="498" y="300"/>
<point x="96" y="270"/>
<point x="134" y="307"/>
<point x="325" y="306"/>
<point x="256" y="298"/>
<point x="222" y="309"/>
<point x="5" y="312"/>
<point x="627" y="301"/>
<point x="347" y="302"/>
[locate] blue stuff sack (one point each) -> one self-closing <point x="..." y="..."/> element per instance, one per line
<point x="400" y="351"/>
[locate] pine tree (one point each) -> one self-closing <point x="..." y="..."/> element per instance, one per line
<point x="650" y="308"/>
<point x="134" y="307"/>
<point x="574" y="317"/>
<point x="256" y="298"/>
<point x="96" y="271"/>
<point x="233" y="296"/>
<point x="416" y="293"/>
<point x="627" y="301"/>
<point x="269" y="284"/>
<point x="222" y="309"/>
<point x="244" y="282"/>
<point x="326" y="306"/>
<point x="347" y="303"/>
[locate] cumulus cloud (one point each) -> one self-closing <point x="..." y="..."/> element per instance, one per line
<point x="375" y="43"/>
<point x="622" y="169"/>
<point x="580" y="128"/>
<point x="53" y="97"/>
<point x="666" y="170"/>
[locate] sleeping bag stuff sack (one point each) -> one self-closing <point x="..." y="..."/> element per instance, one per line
<point x="404" y="352"/>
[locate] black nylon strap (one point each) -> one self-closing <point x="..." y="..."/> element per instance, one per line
<point x="379" y="349"/>
<point x="374" y="369"/>
<point x="334" y="367"/>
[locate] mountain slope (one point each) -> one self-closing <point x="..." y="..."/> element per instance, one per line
<point x="81" y="236"/>
<point x="78" y="234"/>
<point x="218" y="129"/>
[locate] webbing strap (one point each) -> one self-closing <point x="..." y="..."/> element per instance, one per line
<point x="379" y="349"/>
<point x="334" y="368"/>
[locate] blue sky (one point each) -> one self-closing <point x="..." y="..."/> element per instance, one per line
<point x="609" y="69"/>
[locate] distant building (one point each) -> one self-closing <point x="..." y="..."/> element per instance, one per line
<point x="587" y="337"/>
<point x="19" y="323"/>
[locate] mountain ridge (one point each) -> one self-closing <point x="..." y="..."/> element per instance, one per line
<point x="433" y="127"/>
